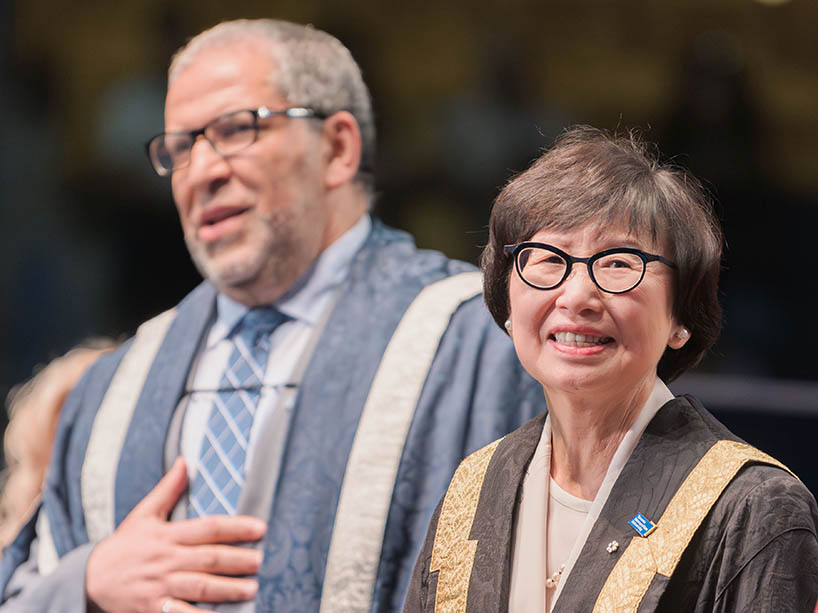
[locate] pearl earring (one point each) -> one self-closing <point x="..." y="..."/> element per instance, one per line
<point x="508" y="325"/>
<point x="682" y="333"/>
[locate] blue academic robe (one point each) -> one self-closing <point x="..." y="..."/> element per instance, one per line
<point x="475" y="392"/>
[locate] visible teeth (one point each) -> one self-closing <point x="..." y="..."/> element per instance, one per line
<point x="579" y="340"/>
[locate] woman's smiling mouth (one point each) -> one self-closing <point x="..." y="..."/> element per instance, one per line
<point x="571" y="339"/>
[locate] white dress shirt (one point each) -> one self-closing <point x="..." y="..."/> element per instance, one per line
<point x="306" y="304"/>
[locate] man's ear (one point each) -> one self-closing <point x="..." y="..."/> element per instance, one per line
<point x="343" y="137"/>
<point x="678" y="337"/>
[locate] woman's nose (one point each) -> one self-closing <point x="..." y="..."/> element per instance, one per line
<point x="578" y="291"/>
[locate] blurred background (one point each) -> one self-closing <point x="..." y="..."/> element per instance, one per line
<point x="465" y="94"/>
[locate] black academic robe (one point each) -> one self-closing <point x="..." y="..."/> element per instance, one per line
<point x="736" y="531"/>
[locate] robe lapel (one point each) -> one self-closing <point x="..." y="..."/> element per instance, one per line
<point x="494" y="520"/>
<point x="334" y="390"/>
<point x="141" y="463"/>
<point x="652" y="475"/>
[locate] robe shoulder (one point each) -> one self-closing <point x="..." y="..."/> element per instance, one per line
<point x="756" y="550"/>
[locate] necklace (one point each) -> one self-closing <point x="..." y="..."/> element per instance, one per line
<point x="551" y="582"/>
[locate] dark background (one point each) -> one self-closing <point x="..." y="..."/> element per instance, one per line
<point x="465" y="94"/>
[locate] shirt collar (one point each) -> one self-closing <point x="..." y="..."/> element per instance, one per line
<point x="306" y="300"/>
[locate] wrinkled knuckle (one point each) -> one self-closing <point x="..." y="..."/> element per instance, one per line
<point x="215" y="525"/>
<point x="160" y="556"/>
<point x="199" y="588"/>
<point x="209" y="559"/>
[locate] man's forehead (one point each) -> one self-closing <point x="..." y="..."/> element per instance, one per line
<point x="218" y="80"/>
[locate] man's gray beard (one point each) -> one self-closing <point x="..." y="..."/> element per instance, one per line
<point x="243" y="272"/>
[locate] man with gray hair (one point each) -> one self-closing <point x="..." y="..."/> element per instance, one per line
<point x="279" y="439"/>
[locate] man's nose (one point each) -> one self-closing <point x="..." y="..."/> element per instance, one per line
<point x="206" y="164"/>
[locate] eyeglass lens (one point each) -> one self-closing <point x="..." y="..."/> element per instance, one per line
<point x="227" y="134"/>
<point x="615" y="272"/>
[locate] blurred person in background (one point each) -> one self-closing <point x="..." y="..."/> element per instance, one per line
<point x="278" y="440"/>
<point x="34" y="408"/>
<point x="603" y="266"/>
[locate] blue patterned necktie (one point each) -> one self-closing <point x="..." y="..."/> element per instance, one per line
<point x="220" y="476"/>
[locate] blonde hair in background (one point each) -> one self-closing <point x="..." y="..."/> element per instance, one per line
<point x="34" y="409"/>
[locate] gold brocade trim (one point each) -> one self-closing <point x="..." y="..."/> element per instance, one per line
<point x="660" y="552"/>
<point x="453" y="552"/>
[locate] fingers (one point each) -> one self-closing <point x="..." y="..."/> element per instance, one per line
<point x="164" y="496"/>
<point x="219" y="529"/>
<point x="203" y="587"/>
<point x="172" y="605"/>
<point x="221" y="560"/>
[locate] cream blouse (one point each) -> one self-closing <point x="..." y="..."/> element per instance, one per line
<point x="531" y="561"/>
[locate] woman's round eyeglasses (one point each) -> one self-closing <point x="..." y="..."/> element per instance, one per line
<point x="614" y="271"/>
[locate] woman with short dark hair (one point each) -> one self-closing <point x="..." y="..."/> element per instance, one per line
<point x="603" y="265"/>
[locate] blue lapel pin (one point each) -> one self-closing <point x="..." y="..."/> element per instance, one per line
<point x="642" y="524"/>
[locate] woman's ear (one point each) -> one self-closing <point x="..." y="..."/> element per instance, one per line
<point x="678" y="337"/>
<point x="343" y="136"/>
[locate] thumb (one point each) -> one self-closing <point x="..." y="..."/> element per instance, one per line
<point x="163" y="497"/>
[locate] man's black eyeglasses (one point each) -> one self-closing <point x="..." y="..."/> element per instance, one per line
<point x="227" y="134"/>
